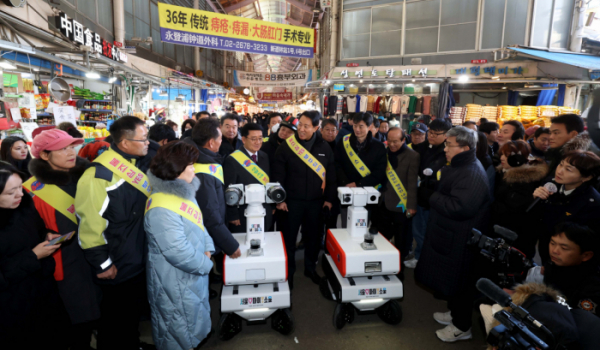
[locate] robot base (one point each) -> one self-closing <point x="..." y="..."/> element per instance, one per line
<point x="373" y="294"/>
<point x="255" y="304"/>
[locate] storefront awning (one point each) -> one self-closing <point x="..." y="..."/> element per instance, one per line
<point x="572" y="59"/>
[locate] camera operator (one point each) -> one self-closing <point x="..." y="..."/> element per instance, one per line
<point x="573" y="267"/>
<point x="460" y="203"/>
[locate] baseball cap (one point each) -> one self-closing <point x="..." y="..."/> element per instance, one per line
<point x="290" y="122"/>
<point x="52" y="140"/>
<point x="420" y="127"/>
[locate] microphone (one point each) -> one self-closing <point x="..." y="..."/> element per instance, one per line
<point x="505" y="233"/>
<point x="492" y="291"/>
<point x="551" y="187"/>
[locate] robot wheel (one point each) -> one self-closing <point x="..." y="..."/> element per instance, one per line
<point x="283" y="321"/>
<point x="390" y="312"/>
<point x="344" y="313"/>
<point x="229" y="326"/>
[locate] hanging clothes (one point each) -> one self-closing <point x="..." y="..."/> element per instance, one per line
<point x="419" y="107"/>
<point x="351" y="101"/>
<point x="364" y="101"/>
<point x="370" y="103"/>
<point x="376" y="105"/>
<point x="332" y="105"/>
<point x="340" y="105"/>
<point x="412" y="105"/>
<point x="546" y="97"/>
<point x="396" y="104"/>
<point x="345" y="106"/>
<point x="426" y="105"/>
<point x="357" y="109"/>
<point x="404" y="100"/>
<point x="434" y="106"/>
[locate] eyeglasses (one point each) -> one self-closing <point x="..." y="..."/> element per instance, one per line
<point x="431" y="132"/>
<point x="255" y="139"/>
<point x="147" y="139"/>
<point x="448" y="145"/>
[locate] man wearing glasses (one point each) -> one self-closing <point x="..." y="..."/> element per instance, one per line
<point x="433" y="159"/>
<point x="459" y="204"/>
<point x="235" y="172"/>
<point x="110" y="202"/>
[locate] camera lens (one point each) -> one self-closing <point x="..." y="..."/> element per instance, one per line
<point x="347" y="198"/>
<point x="277" y="194"/>
<point x="233" y="196"/>
<point x="373" y="198"/>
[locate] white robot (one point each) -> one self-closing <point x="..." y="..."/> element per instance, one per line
<point x="360" y="265"/>
<point x="255" y="285"/>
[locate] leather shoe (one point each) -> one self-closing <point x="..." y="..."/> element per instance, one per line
<point x="212" y="294"/>
<point x="313" y="275"/>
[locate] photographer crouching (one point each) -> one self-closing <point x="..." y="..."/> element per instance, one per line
<point x="460" y="204"/>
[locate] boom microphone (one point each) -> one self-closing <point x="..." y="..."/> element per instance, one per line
<point x="492" y="291"/>
<point x="551" y="187"/>
<point x="505" y="233"/>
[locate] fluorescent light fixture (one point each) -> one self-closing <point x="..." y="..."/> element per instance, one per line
<point x="7" y="65"/>
<point x="361" y="81"/>
<point x="181" y="96"/>
<point x="92" y="75"/>
<point x="463" y="78"/>
<point x="112" y="80"/>
<point x="260" y="309"/>
<point x="246" y="91"/>
<point x="26" y="75"/>
<point x="504" y="87"/>
<point x="413" y="80"/>
<point x="36" y="69"/>
<point x="375" y="300"/>
<point x="496" y="77"/>
<point x="328" y="82"/>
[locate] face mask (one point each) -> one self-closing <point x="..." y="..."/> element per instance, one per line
<point x="275" y="128"/>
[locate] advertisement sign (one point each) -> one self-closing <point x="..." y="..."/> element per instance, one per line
<point x="384" y="72"/>
<point x="186" y="26"/>
<point x="275" y="96"/>
<point x="325" y="4"/>
<point x="500" y="69"/>
<point x="339" y="87"/>
<point x="76" y="32"/>
<point x="257" y="79"/>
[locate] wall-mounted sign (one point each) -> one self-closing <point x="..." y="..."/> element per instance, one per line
<point x="389" y="72"/>
<point x="275" y="96"/>
<point x="595" y="74"/>
<point x="266" y="79"/>
<point x="351" y="64"/>
<point x="76" y="32"/>
<point x="501" y="69"/>
<point x="326" y="3"/>
<point x="339" y="87"/>
<point x="478" y="61"/>
<point x="186" y="26"/>
<point x="118" y="44"/>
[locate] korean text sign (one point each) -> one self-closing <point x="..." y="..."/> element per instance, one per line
<point x="266" y="79"/>
<point x="275" y="96"/>
<point x="186" y="26"/>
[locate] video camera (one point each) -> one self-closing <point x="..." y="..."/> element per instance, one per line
<point x="510" y="264"/>
<point x="518" y="329"/>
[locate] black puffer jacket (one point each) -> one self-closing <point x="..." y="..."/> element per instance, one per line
<point x="373" y="155"/>
<point x="579" y="284"/>
<point x="434" y="158"/>
<point x="211" y="200"/>
<point x="300" y="182"/>
<point x="513" y="194"/>
<point x="27" y="285"/>
<point x="460" y="204"/>
<point x="270" y="147"/>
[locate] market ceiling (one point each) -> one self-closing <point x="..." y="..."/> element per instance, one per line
<point x="305" y="13"/>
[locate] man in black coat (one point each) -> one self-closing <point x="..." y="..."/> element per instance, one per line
<point x="309" y="189"/>
<point x="372" y="155"/>
<point x="433" y="159"/>
<point x="206" y="136"/>
<point x="287" y="128"/>
<point x="273" y="120"/>
<point x="459" y="204"/>
<point x="237" y="173"/>
<point x="229" y="130"/>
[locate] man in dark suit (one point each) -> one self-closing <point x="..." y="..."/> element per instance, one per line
<point x="235" y="172"/>
<point x="229" y="130"/>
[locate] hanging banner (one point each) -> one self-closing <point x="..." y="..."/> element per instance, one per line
<point x="257" y="79"/>
<point x="186" y="26"/>
<point x="275" y="96"/>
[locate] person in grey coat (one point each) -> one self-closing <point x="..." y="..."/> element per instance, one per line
<point x="179" y="252"/>
<point x="460" y="203"/>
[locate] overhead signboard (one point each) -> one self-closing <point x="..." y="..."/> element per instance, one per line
<point x="275" y="96"/>
<point x="515" y="69"/>
<point x="266" y="79"/>
<point x="81" y="35"/>
<point x="384" y="72"/>
<point x="186" y="26"/>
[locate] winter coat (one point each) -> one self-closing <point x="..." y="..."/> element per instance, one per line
<point x="434" y="158"/>
<point x="27" y="287"/>
<point x="235" y="173"/>
<point x="554" y="155"/>
<point x="460" y="204"/>
<point x="513" y="195"/>
<point x="227" y="148"/>
<point x="301" y="182"/>
<point x="270" y="147"/>
<point x="75" y="277"/>
<point x="373" y="156"/>
<point x="344" y="130"/>
<point x="579" y="284"/>
<point x="177" y="271"/>
<point x="490" y="171"/>
<point x="536" y="152"/>
<point x="211" y="200"/>
<point x="111" y="219"/>
<point x="407" y="170"/>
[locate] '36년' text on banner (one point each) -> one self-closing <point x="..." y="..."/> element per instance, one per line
<point x="186" y="26"/>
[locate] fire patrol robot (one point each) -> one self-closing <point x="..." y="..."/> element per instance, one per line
<point x="360" y="265"/>
<point x="255" y="285"/>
